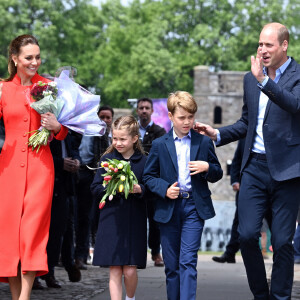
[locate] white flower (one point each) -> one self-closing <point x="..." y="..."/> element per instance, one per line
<point x="47" y="93"/>
<point x="52" y="83"/>
<point x="110" y="197"/>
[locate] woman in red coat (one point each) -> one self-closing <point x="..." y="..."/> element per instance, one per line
<point x="26" y="177"/>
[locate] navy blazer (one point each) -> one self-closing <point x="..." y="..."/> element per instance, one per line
<point x="161" y="171"/>
<point x="281" y="125"/>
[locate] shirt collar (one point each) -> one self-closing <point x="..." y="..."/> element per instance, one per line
<point x="281" y="69"/>
<point x="150" y="124"/>
<point x="175" y="136"/>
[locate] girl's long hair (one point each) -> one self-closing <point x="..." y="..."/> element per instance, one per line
<point x="130" y="124"/>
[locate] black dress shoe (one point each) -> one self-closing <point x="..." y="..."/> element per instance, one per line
<point x="74" y="273"/>
<point x="51" y="281"/>
<point x="80" y="264"/>
<point x="37" y="285"/>
<point x="224" y="258"/>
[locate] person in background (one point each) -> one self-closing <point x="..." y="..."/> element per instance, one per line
<point x="26" y="176"/>
<point x="233" y="245"/>
<point x="149" y="131"/>
<point x="84" y="202"/>
<point x="121" y="242"/>
<point x="101" y="143"/>
<point x="61" y="236"/>
<point x="297" y="241"/>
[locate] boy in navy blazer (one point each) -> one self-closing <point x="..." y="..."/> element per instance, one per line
<point x="177" y="170"/>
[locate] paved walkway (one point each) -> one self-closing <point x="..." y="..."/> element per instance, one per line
<point x="215" y="282"/>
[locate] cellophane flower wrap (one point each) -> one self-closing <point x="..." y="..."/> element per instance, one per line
<point x="73" y="106"/>
<point x="118" y="178"/>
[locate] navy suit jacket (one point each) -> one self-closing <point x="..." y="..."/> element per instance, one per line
<point x="281" y="125"/>
<point x="161" y="171"/>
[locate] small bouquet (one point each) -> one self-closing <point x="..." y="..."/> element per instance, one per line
<point x="118" y="178"/>
<point x="45" y="95"/>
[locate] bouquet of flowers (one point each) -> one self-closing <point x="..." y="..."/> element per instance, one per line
<point x="73" y="106"/>
<point x="45" y="95"/>
<point x="118" y="178"/>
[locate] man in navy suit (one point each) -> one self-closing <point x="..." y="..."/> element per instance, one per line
<point x="271" y="161"/>
<point x="179" y="165"/>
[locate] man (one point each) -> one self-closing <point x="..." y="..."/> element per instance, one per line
<point x="297" y="241"/>
<point x="149" y="131"/>
<point x="101" y="143"/>
<point x="61" y="235"/>
<point x="271" y="162"/>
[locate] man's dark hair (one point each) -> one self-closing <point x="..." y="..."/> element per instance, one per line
<point x="143" y="100"/>
<point x="106" y="107"/>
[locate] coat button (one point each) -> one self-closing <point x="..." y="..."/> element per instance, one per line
<point x="23" y="149"/>
<point x="25" y="119"/>
<point x="24" y="134"/>
<point x="22" y="165"/>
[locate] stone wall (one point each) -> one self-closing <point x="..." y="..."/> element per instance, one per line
<point x="222" y="90"/>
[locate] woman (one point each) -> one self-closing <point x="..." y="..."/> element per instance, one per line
<point x="26" y="177"/>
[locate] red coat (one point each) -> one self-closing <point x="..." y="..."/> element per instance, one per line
<point x="26" y="185"/>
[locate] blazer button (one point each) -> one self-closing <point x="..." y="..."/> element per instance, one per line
<point x="22" y="165"/>
<point x="25" y="119"/>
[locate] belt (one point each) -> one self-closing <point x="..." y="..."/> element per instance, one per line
<point x="259" y="156"/>
<point x="185" y="195"/>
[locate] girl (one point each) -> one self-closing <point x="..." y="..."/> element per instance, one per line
<point x="121" y="241"/>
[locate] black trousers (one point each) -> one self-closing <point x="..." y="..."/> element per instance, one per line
<point x="154" y="232"/>
<point x="84" y="206"/>
<point x="61" y="234"/>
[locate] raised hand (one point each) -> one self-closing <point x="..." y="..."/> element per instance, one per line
<point x="257" y="66"/>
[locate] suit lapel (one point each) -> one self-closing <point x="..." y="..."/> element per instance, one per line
<point x="283" y="79"/>
<point x="195" y="144"/>
<point x="171" y="149"/>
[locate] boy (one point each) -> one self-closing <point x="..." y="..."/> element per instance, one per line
<point x="177" y="170"/>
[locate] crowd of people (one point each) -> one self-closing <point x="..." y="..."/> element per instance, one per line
<point x="49" y="211"/>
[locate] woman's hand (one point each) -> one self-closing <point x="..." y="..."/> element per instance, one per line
<point x="49" y="121"/>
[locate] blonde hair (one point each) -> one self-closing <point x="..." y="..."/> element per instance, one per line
<point x="183" y="100"/>
<point x="130" y="124"/>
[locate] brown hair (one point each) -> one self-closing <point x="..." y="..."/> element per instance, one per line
<point x="14" y="49"/>
<point x="283" y="35"/>
<point x="183" y="100"/>
<point x="282" y="32"/>
<point x="132" y="126"/>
